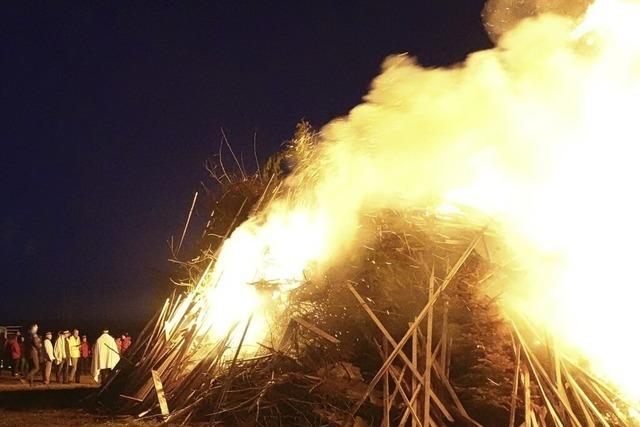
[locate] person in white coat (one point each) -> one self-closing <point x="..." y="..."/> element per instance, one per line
<point x="48" y="357"/>
<point x="105" y="357"/>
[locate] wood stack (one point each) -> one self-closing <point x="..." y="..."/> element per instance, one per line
<point x="400" y="332"/>
<point x="380" y="345"/>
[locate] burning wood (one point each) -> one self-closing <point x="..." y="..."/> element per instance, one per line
<point x="400" y="333"/>
<point x="369" y="285"/>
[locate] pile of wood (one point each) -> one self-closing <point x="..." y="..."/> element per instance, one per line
<point x="401" y="331"/>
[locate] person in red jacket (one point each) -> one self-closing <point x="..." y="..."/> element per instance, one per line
<point x="126" y="342"/>
<point x="15" y="349"/>
<point x="85" y="356"/>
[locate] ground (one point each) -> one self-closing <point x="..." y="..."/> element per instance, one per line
<point x="9" y="383"/>
<point x="67" y="417"/>
<point x="53" y="405"/>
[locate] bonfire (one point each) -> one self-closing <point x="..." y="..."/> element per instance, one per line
<point x="458" y="250"/>
<point x="405" y="330"/>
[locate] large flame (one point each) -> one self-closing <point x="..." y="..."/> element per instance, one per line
<point x="540" y="133"/>
<point x="271" y="255"/>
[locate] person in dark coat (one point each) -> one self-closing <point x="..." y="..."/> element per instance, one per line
<point x="33" y="346"/>
<point x="24" y="364"/>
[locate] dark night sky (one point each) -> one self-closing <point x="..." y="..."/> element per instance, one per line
<point x="109" y="109"/>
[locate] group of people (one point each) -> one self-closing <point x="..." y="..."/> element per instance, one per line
<point x="69" y="356"/>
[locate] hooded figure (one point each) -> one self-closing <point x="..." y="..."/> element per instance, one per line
<point x="105" y="357"/>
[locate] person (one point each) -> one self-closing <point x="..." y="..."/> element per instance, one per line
<point x="14" y="350"/>
<point x="61" y="356"/>
<point x="119" y="344"/>
<point x="85" y="352"/>
<point x="126" y="342"/>
<point x="4" y="347"/>
<point x="48" y="357"/>
<point x="24" y="363"/>
<point x="105" y="357"/>
<point x="74" y="354"/>
<point x="34" y="344"/>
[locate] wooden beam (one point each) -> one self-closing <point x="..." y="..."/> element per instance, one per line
<point x="164" y="408"/>
<point x="427" y="354"/>
<point x="386" y="422"/>
<point x="514" y="392"/>
<point x="313" y="328"/>
<point x="414" y="381"/>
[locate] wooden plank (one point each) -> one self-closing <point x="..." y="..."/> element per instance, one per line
<point x="135" y="399"/>
<point x="445" y="337"/>
<point x="164" y="408"/>
<point x="526" y="385"/>
<point x="313" y="328"/>
<point x="386" y="422"/>
<point x="514" y="393"/>
<point x="428" y="355"/>
<point x="414" y="381"/>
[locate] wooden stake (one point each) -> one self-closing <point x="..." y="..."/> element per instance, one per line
<point x="514" y="393"/>
<point x="526" y="385"/>
<point x="445" y="338"/>
<point x="186" y="225"/>
<point x="386" y="422"/>
<point x="414" y="381"/>
<point x="428" y="355"/>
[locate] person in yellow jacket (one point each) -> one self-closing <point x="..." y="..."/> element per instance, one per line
<point x="61" y="357"/>
<point x="74" y="355"/>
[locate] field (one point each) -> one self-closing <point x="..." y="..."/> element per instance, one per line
<point x="53" y="405"/>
